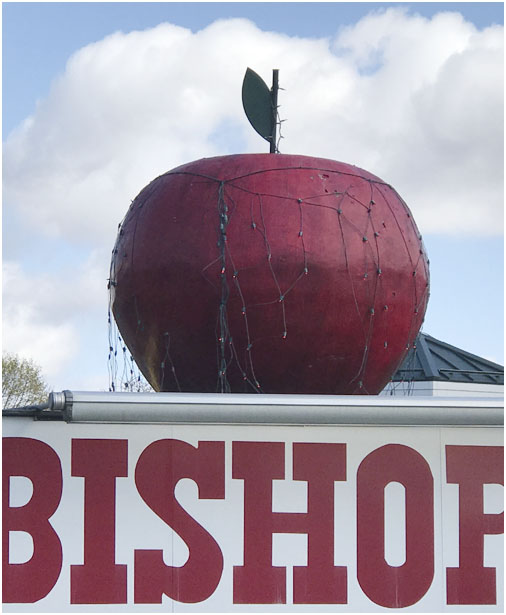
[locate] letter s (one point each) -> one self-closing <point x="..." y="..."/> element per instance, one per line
<point x="159" y="468"/>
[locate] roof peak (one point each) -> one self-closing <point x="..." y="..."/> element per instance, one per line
<point x="433" y="359"/>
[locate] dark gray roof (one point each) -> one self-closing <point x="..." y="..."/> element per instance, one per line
<point x="431" y="359"/>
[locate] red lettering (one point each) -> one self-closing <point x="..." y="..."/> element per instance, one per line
<point x="33" y="580"/>
<point x="161" y="465"/>
<point x="471" y="467"/>
<point x="257" y="581"/>
<point x="395" y="586"/>
<point x="99" y="580"/>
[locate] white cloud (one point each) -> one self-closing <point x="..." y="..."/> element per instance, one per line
<point x="425" y="113"/>
<point x="26" y="329"/>
<point x="416" y="101"/>
<point x="43" y="314"/>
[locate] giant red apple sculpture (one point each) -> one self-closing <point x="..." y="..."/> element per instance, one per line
<point x="269" y="273"/>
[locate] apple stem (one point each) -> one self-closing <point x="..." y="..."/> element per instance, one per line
<point x="274" y="98"/>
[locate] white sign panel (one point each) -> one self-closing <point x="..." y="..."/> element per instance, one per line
<point x="217" y="518"/>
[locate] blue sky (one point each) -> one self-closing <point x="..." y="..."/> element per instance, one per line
<point x="56" y="245"/>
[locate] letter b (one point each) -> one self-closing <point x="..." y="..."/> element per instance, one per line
<point x="33" y="580"/>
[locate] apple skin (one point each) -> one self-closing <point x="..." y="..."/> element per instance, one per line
<point x="269" y="272"/>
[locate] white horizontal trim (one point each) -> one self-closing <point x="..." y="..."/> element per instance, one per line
<point x="217" y="408"/>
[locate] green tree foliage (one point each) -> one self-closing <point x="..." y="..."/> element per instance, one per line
<point x="22" y="382"/>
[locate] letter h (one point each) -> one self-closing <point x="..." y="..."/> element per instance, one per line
<point x="320" y="465"/>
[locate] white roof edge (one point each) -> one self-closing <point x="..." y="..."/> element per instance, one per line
<point x="226" y="409"/>
<point x="246" y="399"/>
